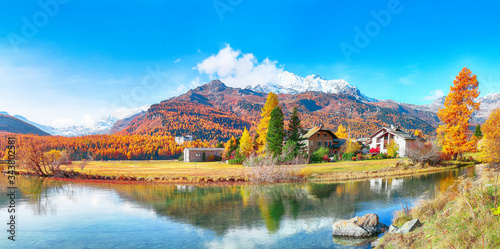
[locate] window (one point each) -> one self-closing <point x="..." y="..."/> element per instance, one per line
<point x="318" y="135"/>
<point x="319" y="143"/>
<point x="324" y="135"/>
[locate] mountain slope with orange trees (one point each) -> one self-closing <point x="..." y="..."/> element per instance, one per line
<point x="216" y="112"/>
<point x="103" y="147"/>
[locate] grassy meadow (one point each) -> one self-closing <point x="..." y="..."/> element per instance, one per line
<point x="173" y="169"/>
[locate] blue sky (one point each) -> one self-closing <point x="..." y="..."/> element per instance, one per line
<point x="69" y="62"/>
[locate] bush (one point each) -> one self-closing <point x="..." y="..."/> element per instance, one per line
<point x="380" y="156"/>
<point x="211" y="158"/>
<point x="326" y="158"/>
<point x="235" y="161"/>
<point x="347" y="156"/>
<point x="424" y="153"/>
<point x="375" y="150"/>
<point x="318" y="155"/>
<point x="272" y="169"/>
<point x="181" y="157"/>
<point x="359" y="157"/>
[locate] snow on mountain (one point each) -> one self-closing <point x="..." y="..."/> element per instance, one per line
<point x="290" y="83"/>
<point x="488" y="103"/>
<point x="100" y="126"/>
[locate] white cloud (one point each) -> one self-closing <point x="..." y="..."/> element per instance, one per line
<point x="239" y="70"/>
<point x="63" y="122"/>
<point x="178" y="60"/>
<point x="195" y="83"/>
<point x="438" y="93"/>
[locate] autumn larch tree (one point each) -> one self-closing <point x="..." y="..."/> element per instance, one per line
<point x="275" y="132"/>
<point x="341" y="132"/>
<point x="230" y="146"/>
<point x="491" y="138"/>
<point x="459" y="106"/>
<point x="246" y="146"/>
<point x="271" y="103"/>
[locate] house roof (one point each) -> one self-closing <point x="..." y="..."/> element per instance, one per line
<point x="205" y="149"/>
<point x="315" y="129"/>
<point x="396" y="132"/>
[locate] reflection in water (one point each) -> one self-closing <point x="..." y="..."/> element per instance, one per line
<point x="282" y="215"/>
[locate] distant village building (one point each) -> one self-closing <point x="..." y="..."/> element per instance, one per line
<point x="180" y="140"/>
<point x="385" y="135"/>
<point x="318" y="137"/>
<point x="196" y="154"/>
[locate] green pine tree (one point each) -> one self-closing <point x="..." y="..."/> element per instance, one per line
<point x="294" y="127"/>
<point x="275" y="133"/>
<point x="294" y="132"/>
<point x="478" y="133"/>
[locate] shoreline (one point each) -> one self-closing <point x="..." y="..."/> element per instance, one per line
<point x="342" y="176"/>
<point x="465" y="213"/>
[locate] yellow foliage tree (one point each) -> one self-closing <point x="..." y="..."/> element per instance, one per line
<point x="246" y="146"/>
<point x="271" y="103"/>
<point x="459" y="105"/>
<point x="341" y="132"/>
<point x="417" y="133"/>
<point x="350" y="146"/>
<point x="491" y="138"/>
<point x="392" y="149"/>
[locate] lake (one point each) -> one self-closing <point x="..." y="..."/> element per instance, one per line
<point x="64" y="214"/>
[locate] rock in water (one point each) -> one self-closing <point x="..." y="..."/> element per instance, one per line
<point x="366" y="226"/>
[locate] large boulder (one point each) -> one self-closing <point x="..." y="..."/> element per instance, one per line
<point x="408" y="226"/>
<point x="365" y="226"/>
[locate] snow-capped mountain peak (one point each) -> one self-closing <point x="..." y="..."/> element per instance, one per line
<point x="291" y="84"/>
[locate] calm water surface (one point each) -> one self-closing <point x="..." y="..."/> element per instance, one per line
<point x="55" y="214"/>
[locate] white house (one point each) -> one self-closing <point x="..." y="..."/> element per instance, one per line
<point x="180" y="140"/>
<point x="385" y="135"/>
<point x="201" y="154"/>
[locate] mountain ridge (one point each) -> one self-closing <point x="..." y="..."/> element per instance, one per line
<point x="218" y="111"/>
<point x="14" y="125"/>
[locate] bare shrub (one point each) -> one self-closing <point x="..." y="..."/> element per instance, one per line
<point x="272" y="169"/>
<point x="423" y="153"/>
<point x="40" y="162"/>
<point x="83" y="163"/>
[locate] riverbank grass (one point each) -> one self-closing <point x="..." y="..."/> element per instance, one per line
<point x="464" y="216"/>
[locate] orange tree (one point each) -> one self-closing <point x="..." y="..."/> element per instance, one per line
<point x="459" y="105"/>
<point x="491" y="141"/>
